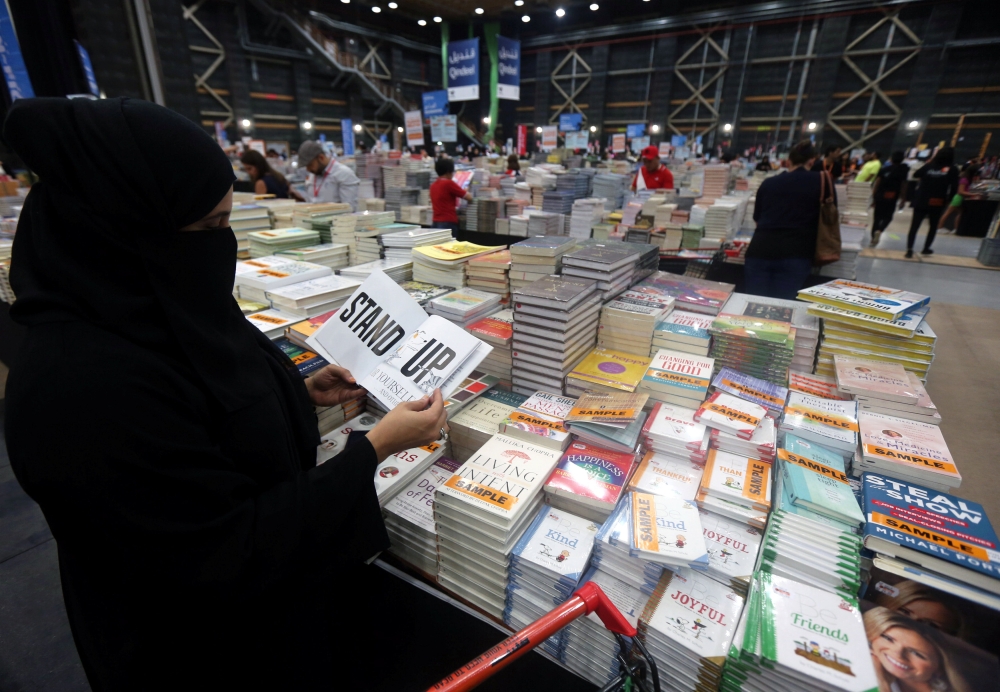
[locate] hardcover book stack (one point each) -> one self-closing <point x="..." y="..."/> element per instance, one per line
<point x="333" y="255"/>
<point x="628" y="322"/>
<point x="755" y="346"/>
<point x="612" y="420"/>
<point x="545" y="568"/>
<point x="818" y="385"/>
<point x="589" y="481"/>
<point x="886" y="388"/>
<point x="683" y="331"/>
<point x="397" y="270"/>
<point x="814" y="479"/>
<point x="677" y="378"/>
<point x="688" y="627"/>
<point x="827" y="422"/>
<point x="538" y="257"/>
<point x="475" y="424"/>
<point x="464" y="306"/>
<point x="606" y="370"/>
<point x="794" y="312"/>
<point x="314" y="297"/>
<point x="392" y="474"/>
<point x="612" y="266"/>
<point x="586" y="213"/>
<point x="908" y="450"/>
<point x="555" y="324"/>
<point x="265" y="243"/>
<point x="399" y="244"/>
<point x="498" y="331"/>
<point x="444" y="264"/>
<point x="482" y="511"/>
<point x="490" y="273"/>
<point x="736" y="479"/>
<point x="541" y="419"/>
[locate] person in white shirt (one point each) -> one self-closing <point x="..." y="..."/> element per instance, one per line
<point x="331" y="180"/>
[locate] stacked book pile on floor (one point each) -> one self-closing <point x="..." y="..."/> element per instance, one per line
<point x="535" y="258"/>
<point x="555" y="324"/>
<point x="444" y="264"/>
<point x="628" y="322"/>
<point x="497" y="330"/>
<point x="333" y="255"/>
<point x="490" y="273"/>
<point x="397" y="270"/>
<point x="464" y="306"/>
<point x="264" y="243"/>
<point x="399" y="244"/>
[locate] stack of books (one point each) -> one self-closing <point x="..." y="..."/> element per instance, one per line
<point x="721" y="220"/>
<point x="398" y="197"/>
<point x="482" y="511"/>
<point x="589" y="481"/>
<point x="318" y="217"/>
<point x="489" y="273"/>
<point x="605" y="370"/>
<point x="409" y="516"/>
<point x="692" y="294"/>
<point x="368" y="241"/>
<point x="716" y="181"/>
<point x="479" y="421"/>
<point x="907" y="450"/>
<point x="733" y="547"/>
<point x="667" y="530"/>
<point x="814" y="479"/>
<point x="818" y="385"/>
<point x="545" y="567"/>
<point x="333" y="255"/>
<point x="612" y="551"/>
<point x="272" y="323"/>
<point x="413" y="214"/>
<point x="923" y="410"/>
<point x="663" y="474"/>
<point x="555" y="324"/>
<point x="538" y="257"/>
<point x="827" y="422"/>
<point x="761" y="444"/>
<point x="245" y="219"/>
<point x="612" y="420"/>
<point x="683" y="635"/>
<point x="541" y="418"/>
<point x="257" y="276"/>
<point x="558" y="201"/>
<point x="755" y="346"/>
<point x="794" y="312"/>
<point x="464" y="306"/>
<point x="307" y="362"/>
<point x="612" y="266"/>
<point x="798" y="452"/>
<point x="498" y="331"/>
<point x="314" y="297"/>
<point x="444" y="264"/>
<point x="544" y="223"/>
<point x="611" y="187"/>
<point x="421" y="292"/>
<point x="737" y="479"/>
<point x="628" y="322"/>
<point x="397" y="270"/>
<point x="761" y="392"/>
<point x="392" y="474"/>
<point x="586" y="212"/>
<point x="671" y="431"/>
<point x="399" y="244"/>
<point x="264" y="243"/>
<point x="683" y="331"/>
<point x="677" y="378"/>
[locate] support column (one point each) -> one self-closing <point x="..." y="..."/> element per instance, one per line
<point x="303" y="99"/>
<point x="664" y="56"/>
<point x="741" y="51"/>
<point x="598" y="88"/>
<point x="823" y="75"/>
<point x="174" y="58"/>
<point x="543" y="89"/>
<point x="237" y="73"/>
<point x="356" y="107"/>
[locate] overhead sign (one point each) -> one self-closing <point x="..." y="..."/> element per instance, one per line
<point x="435" y="103"/>
<point x="678" y="140"/>
<point x="617" y="143"/>
<point x="347" y="129"/>
<point x="414" y="128"/>
<point x="639" y="143"/>
<point x="636" y="130"/>
<point x="576" y="140"/>
<point x="88" y="69"/>
<point x="570" y="122"/>
<point x="15" y="74"/>
<point x="550" y="137"/>
<point x="508" y="69"/>
<point x="463" y="70"/>
<point x="664" y="149"/>
<point x="444" y="128"/>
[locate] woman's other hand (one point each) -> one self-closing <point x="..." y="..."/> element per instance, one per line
<point x="333" y="385"/>
<point x="410" y="424"/>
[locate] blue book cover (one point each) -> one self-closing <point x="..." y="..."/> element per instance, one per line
<point x="307" y="362"/>
<point x="926" y="522"/>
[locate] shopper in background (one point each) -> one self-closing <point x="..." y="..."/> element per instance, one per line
<point x="965" y="179"/>
<point x="444" y="194"/>
<point x="332" y="181"/>
<point x="764" y="164"/>
<point x="653" y="175"/>
<point x="937" y="183"/>
<point x="888" y="191"/>
<point x="513" y="165"/>
<point x="830" y="162"/>
<point x="197" y="538"/>
<point x="873" y="164"/>
<point x="780" y="256"/>
<point x="266" y="180"/>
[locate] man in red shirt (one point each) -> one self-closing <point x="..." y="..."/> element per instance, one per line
<point x="444" y="193"/>
<point x="655" y="176"/>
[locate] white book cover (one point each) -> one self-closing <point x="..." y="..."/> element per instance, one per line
<point x="677" y="371"/>
<point x="835" y="420"/>
<point x="277" y="275"/>
<point x="763" y="439"/>
<point x="915" y="448"/>
<point x="558" y="542"/>
<point x="658" y="475"/>
<point x="667" y="530"/>
<point x="738" y="479"/>
<point x="553" y="406"/>
<point x="502" y="477"/>
<point x="335" y="441"/>
<point x="308" y="291"/>
<point x="271" y="321"/>
<point x="629" y="600"/>
<point x="415" y="502"/>
<point x="697" y="613"/>
<point x="875" y="379"/>
<point x="393" y="472"/>
<point x="869" y="299"/>
<point x="731" y="413"/>
<point x="732" y="545"/>
<point x="676" y="426"/>
<point x="815" y="634"/>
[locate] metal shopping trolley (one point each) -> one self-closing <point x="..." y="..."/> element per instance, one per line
<point x="637" y="672"/>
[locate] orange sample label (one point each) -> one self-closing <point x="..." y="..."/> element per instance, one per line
<point x="644" y="522"/>
<point x="732" y="413"/>
<point x="482" y="492"/>
<point x="911" y="459"/>
<point x="806" y="463"/>
<point x="820" y="417"/>
<point x="919" y="532"/>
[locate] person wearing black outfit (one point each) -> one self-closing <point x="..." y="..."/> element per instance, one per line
<point x="830" y="162"/>
<point x="780" y="256"/>
<point x="888" y="191"/>
<point x="266" y="180"/>
<point x="199" y="544"/>
<point x="764" y="165"/>
<point x="937" y="184"/>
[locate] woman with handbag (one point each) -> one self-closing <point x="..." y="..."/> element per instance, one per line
<point x="788" y="215"/>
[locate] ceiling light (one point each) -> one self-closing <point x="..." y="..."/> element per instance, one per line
<point x="525" y="19"/>
<point x="914" y="124"/>
<point x="246" y="122"/>
<point x="422" y="22"/>
<point x="560" y="12"/>
<point x="593" y="128"/>
<point x="307" y="125"/>
<point x="399" y="129"/>
<point x="346" y="2"/>
<point x="393" y="5"/>
<point x="728" y="127"/>
<point x="594" y="7"/>
<point x="518" y="3"/>
<point x="376" y="9"/>
<point x="538" y="130"/>
<point x="479" y="10"/>
<point x="437" y="20"/>
<point x="812" y="126"/>
<point x="486" y="120"/>
<point x="357" y="128"/>
<point x="654" y="128"/>
<point x="440" y="144"/>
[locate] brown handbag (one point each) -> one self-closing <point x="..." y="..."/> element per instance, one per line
<point x="828" y="229"/>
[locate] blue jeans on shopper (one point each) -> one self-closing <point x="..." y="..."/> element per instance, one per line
<point x="453" y="227"/>
<point x="776" y="278"/>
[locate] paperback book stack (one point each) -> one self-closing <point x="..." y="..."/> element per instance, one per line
<point x="761" y="444"/>
<point x="923" y="410"/>
<point x="497" y="330"/>
<point x="575" y="183"/>
<point x="585" y="214"/>
<point x="545" y="567"/>
<point x="535" y="258"/>
<point x="793" y="312"/>
<point x="612" y="551"/>
<point x="333" y="255"/>
<point x="541" y="419"/>
<point x="421" y="292"/>
<point x="721" y="220"/>
<point x="761" y="392"/>
<point x="677" y="378"/>
<point x="398" y="197"/>
<point x="797" y="516"/>
<point x="612" y="266"/>
<point x="489" y="273"/>
<point x="482" y="511"/>
<point x="683" y="331"/>
<point x="464" y="306"/>
<point x="610" y="420"/>
<point x="265" y="243"/>
<point x="555" y="324"/>
<point x="733" y="547"/>
<point x="444" y="264"/>
<point x="314" y="297"/>
<point x="907" y="450"/>
<point x="397" y="270"/>
<point x="368" y="242"/>
<point x="483" y="214"/>
<point x="756" y="346"/>
<point x="737" y="487"/>
<point x="778" y="646"/>
<point x="479" y="421"/>
<point x="399" y="244"/>
<point x="628" y="322"/>
<point x="409" y="516"/>
<point x="716" y="182"/>
<point x="667" y="530"/>
<point x="544" y="223"/>
<point x="344" y="227"/>
<point x="688" y="627"/>
<point x="692" y="294"/>
<point x="255" y="277"/>
<point x="245" y="219"/>
<point x="589" y="481"/>
<point x="318" y="217"/>
<point x="606" y="370"/>
<point x="392" y="474"/>
<point x="413" y="214"/>
<point x="611" y="188"/>
<point x="673" y="433"/>
<point x="558" y="201"/>
<point x="827" y="422"/>
<point x="815" y="479"/>
<point x="662" y="474"/>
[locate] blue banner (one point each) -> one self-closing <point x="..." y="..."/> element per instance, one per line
<point x="637" y="130"/>
<point x="88" y="69"/>
<point x="347" y="129"/>
<point x="678" y="140"/>
<point x="435" y="103"/>
<point x="11" y="61"/>
<point x="570" y="122"/>
<point x="463" y="70"/>
<point x="508" y="68"/>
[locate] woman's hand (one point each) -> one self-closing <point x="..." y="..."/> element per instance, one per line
<point x="411" y="424"/>
<point x="333" y="385"/>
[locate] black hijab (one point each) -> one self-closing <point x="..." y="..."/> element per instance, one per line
<point x="98" y="239"/>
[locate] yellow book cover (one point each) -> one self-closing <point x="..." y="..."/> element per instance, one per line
<point x="454" y="250"/>
<point x="614" y="369"/>
<point x="607" y="407"/>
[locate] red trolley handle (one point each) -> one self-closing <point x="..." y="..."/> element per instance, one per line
<point x="589" y="598"/>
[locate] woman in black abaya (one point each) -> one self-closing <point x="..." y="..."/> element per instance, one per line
<point x="170" y="445"/>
